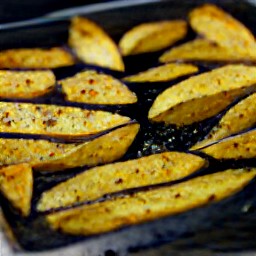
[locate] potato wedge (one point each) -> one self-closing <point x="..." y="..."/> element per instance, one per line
<point x="93" y="45"/>
<point x="55" y="121"/>
<point x="25" y="84"/>
<point x="241" y="146"/>
<point x="96" y="88"/>
<point x="203" y="96"/>
<point x="240" y="117"/>
<point x="152" y="36"/>
<point x="162" y="73"/>
<point x="148" y="205"/>
<point x="98" y="181"/>
<point x="207" y="51"/>
<point x="48" y="156"/>
<point x="16" y="184"/>
<point x="220" y="27"/>
<point x="35" y="58"/>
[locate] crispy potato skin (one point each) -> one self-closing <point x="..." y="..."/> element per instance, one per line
<point x="35" y="58"/>
<point x="203" y="96"/>
<point x="16" y="183"/>
<point x="25" y="84"/>
<point x="240" y="117"/>
<point x="241" y="146"/>
<point x="48" y="156"/>
<point x="207" y="51"/>
<point x="145" y="206"/>
<point x="152" y="36"/>
<point x="98" y="181"/>
<point x="93" y="45"/>
<point x="162" y="73"/>
<point x="220" y="27"/>
<point x="55" y="121"/>
<point x="96" y="88"/>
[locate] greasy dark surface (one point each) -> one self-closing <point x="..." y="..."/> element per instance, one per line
<point x="185" y="230"/>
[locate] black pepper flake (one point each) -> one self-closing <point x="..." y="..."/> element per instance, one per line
<point x="119" y="181"/>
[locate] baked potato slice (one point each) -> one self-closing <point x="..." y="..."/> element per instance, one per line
<point x="98" y="181"/>
<point x="43" y="155"/>
<point x="218" y="26"/>
<point x="35" y="58"/>
<point x="96" y="88"/>
<point x="55" y="121"/>
<point x="26" y="84"/>
<point x="206" y="51"/>
<point x="149" y="205"/>
<point x="16" y="184"/>
<point x="241" y="146"/>
<point x="162" y="73"/>
<point x="93" y="45"/>
<point x="152" y="36"/>
<point x="203" y="96"/>
<point x="238" y="118"/>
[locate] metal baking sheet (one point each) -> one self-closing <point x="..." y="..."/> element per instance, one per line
<point x="227" y="227"/>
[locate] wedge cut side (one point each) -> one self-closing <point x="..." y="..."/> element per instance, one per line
<point x="55" y="121"/>
<point x="203" y="96"/>
<point x="241" y="146"/>
<point x="162" y="73"/>
<point x="149" y="205"/>
<point x="16" y="184"/>
<point x="25" y="84"/>
<point x="206" y="51"/>
<point x="240" y="117"/>
<point x="48" y="156"/>
<point x="93" y="45"/>
<point x="152" y="36"/>
<point x="98" y="181"/>
<point x="35" y="58"/>
<point x="96" y="88"/>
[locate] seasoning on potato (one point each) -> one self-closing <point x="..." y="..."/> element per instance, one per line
<point x="93" y="45"/>
<point x="55" y="121"/>
<point x="149" y="205"/>
<point x="16" y="184"/>
<point x="96" y="88"/>
<point x="238" y="118"/>
<point x="98" y="181"/>
<point x="162" y="73"/>
<point x="35" y="58"/>
<point x="218" y="26"/>
<point x="241" y="146"/>
<point x="25" y="84"/>
<point x="152" y="36"/>
<point x="43" y="155"/>
<point x="206" y="51"/>
<point x="203" y="96"/>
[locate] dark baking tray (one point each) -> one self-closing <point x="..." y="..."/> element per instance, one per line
<point x="227" y="226"/>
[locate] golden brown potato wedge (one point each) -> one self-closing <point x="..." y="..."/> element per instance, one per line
<point x="93" y="45"/>
<point x="162" y="73"/>
<point x="240" y="117"/>
<point x="16" y="184"/>
<point x="152" y="36"/>
<point x="203" y="96"/>
<point x="148" y="205"/>
<point x="203" y="50"/>
<point x="242" y="146"/>
<point x="96" y="88"/>
<point x="35" y="58"/>
<point x="98" y="181"/>
<point x="25" y="84"/>
<point x="220" y="27"/>
<point x="55" y="121"/>
<point x="48" y="156"/>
